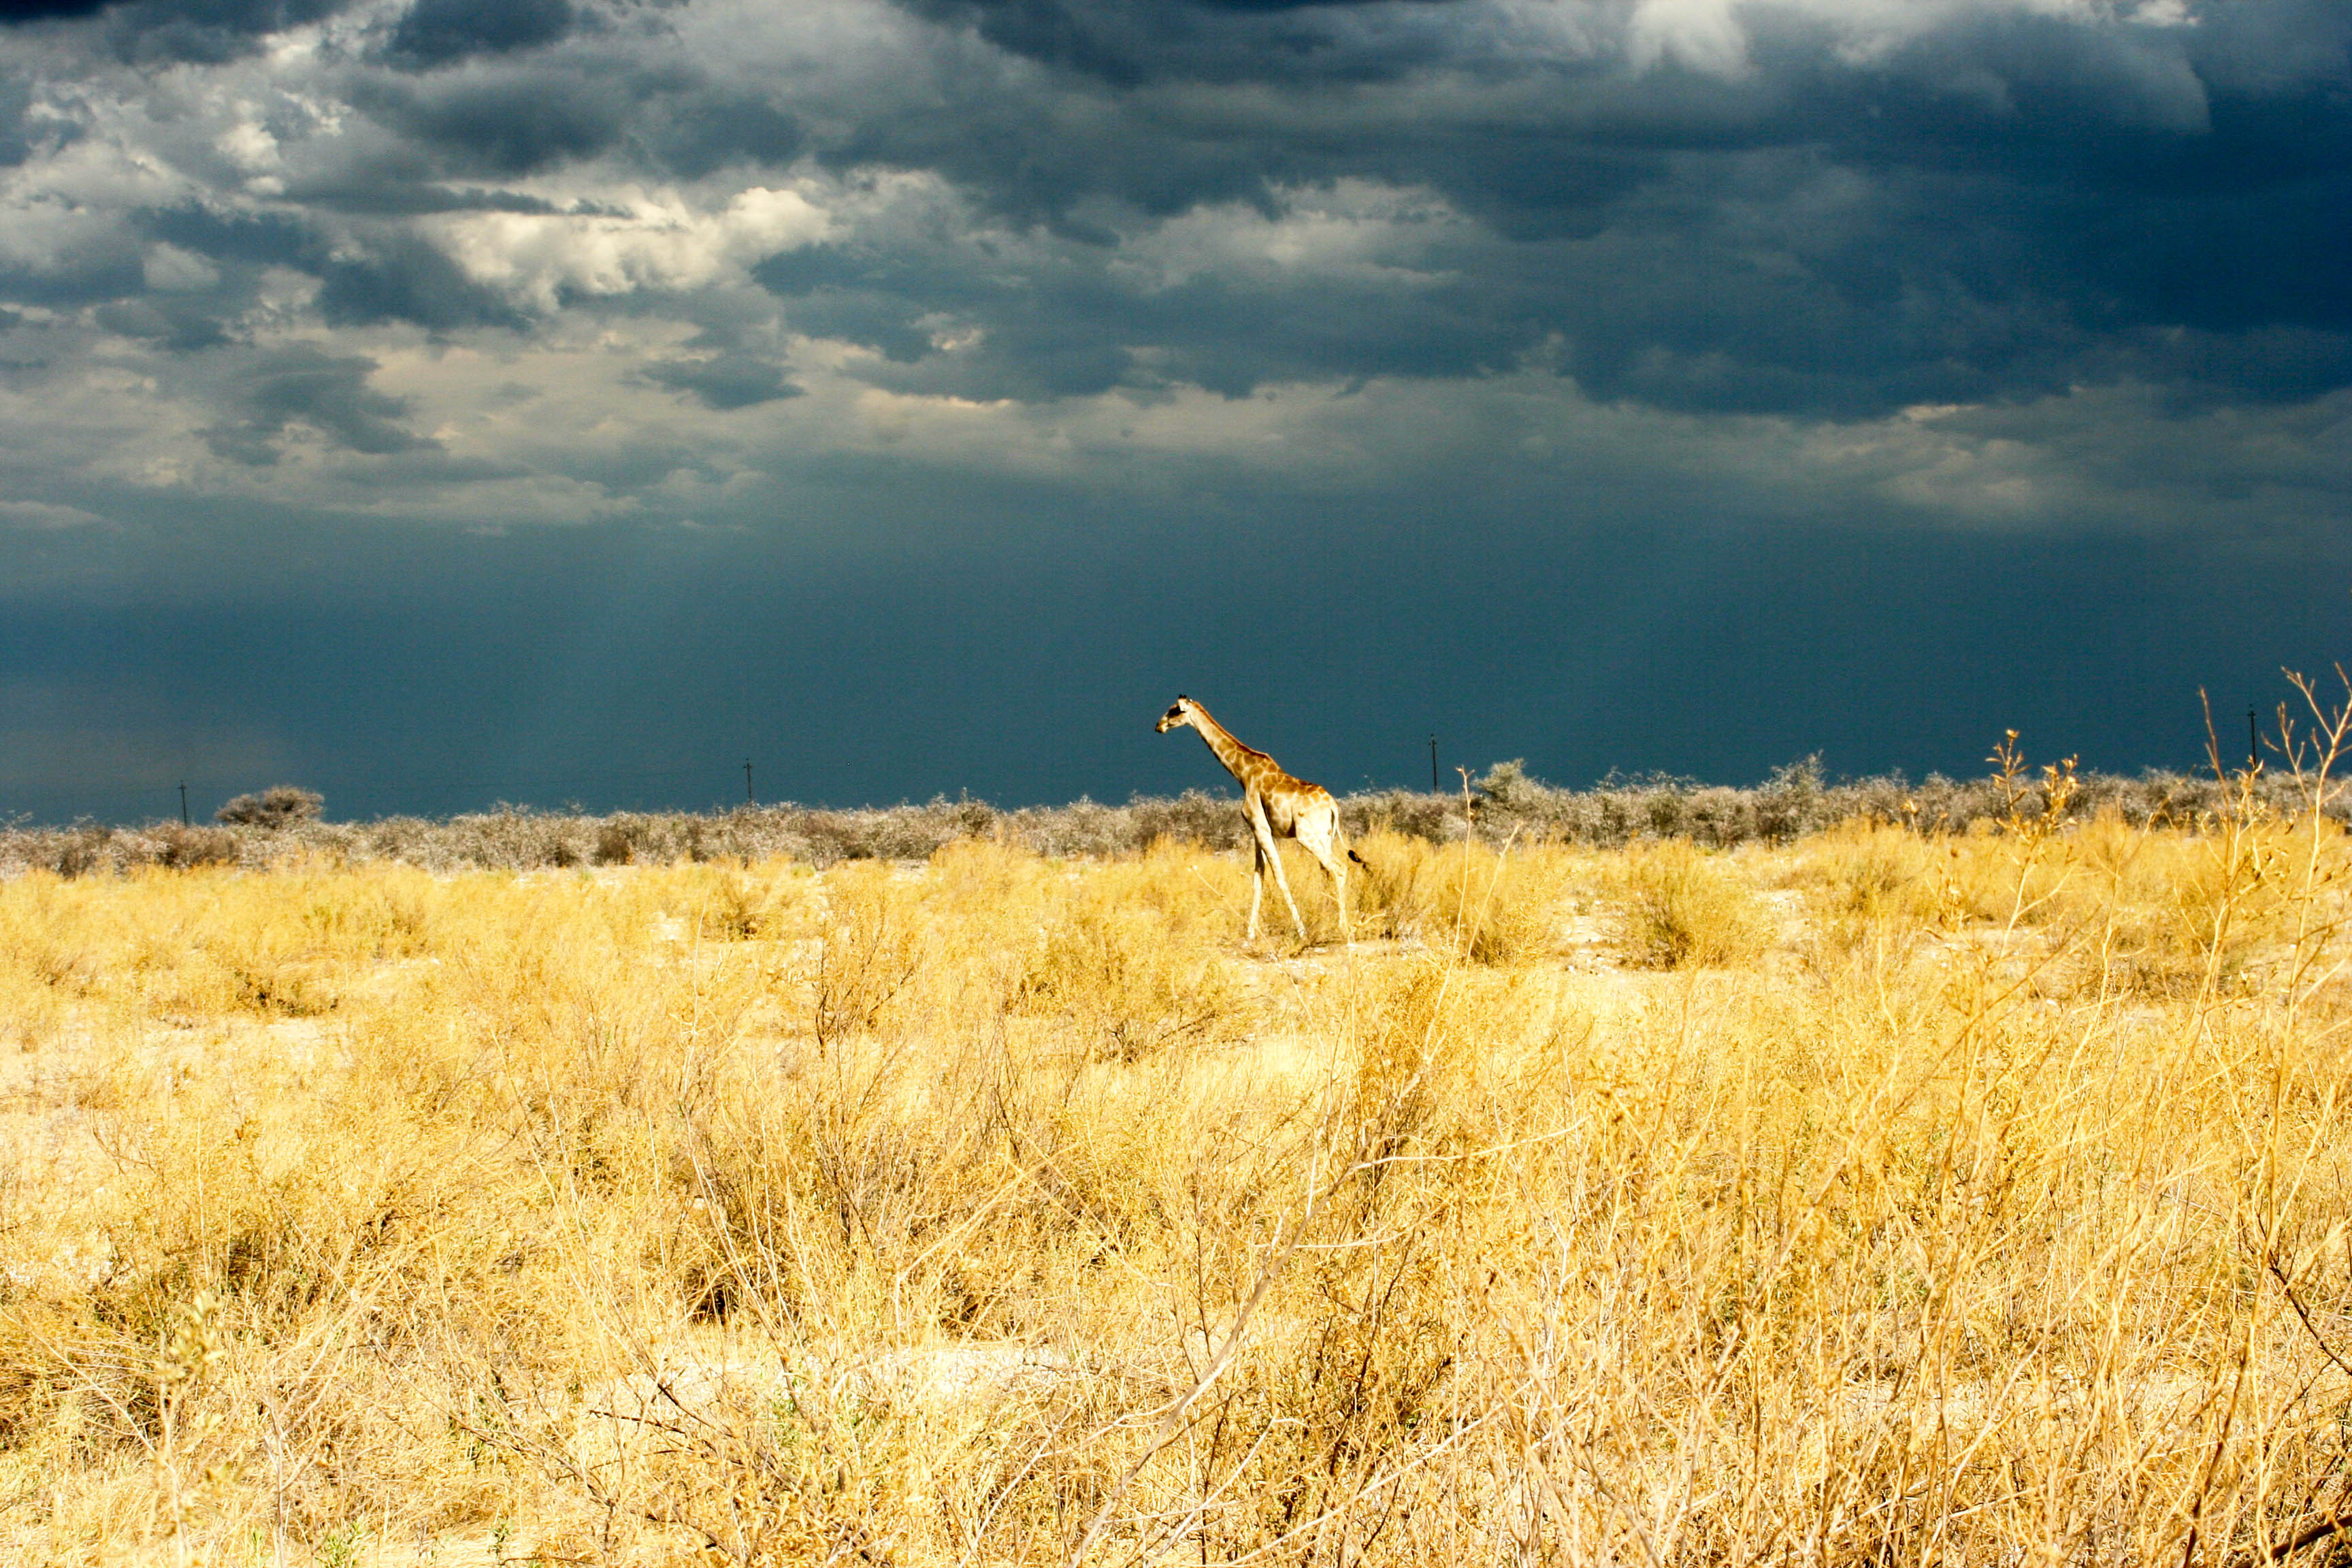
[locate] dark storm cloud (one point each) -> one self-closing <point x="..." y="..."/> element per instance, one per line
<point x="2000" y="203"/>
<point x="1688" y="320"/>
<point x="513" y="123"/>
<point x="435" y="32"/>
<point x="2136" y="171"/>
<point x="2024" y="199"/>
<point x="1983" y="204"/>
<point x="200" y="32"/>
<point x="403" y="195"/>
<point x="259" y="238"/>
<point x="403" y="278"/>
<point x="724" y="381"/>
<point x="16" y="98"/>
<point x="1129" y="42"/>
<point x="509" y="121"/>
<point x="278" y="393"/>
<point x="695" y="134"/>
<point x="207" y="31"/>
<point x="14" y="11"/>
<point x="872" y="319"/>
<point x="376" y="275"/>
<point x="84" y="269"/>
<point x="180" y="325"/>
<point x="1064" y="328"/>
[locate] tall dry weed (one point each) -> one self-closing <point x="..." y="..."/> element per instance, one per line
<point x="1496" y="908"/>
<point x="1384" y="893"/>
<point x="1682" y="908"/>
<point x="870" y="948"/>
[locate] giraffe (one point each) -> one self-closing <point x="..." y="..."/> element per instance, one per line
<point x="1278" y="807"/>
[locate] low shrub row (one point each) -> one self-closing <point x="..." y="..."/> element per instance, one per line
<point x="1503" y="806"/>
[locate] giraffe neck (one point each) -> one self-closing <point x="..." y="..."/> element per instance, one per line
<point x="1240" y="761"/>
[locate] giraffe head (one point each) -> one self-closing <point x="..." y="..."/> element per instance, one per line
<point x="1182" y="713"/>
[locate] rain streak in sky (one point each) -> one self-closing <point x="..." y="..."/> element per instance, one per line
<point x="435" y="403"/>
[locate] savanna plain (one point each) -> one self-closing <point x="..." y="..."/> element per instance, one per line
<point x="1887" y="1194"/>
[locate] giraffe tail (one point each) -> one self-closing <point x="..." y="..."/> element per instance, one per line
<point x="1359" y="860"/>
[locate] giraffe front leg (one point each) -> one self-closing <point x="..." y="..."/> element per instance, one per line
<point x="1267" y="852"/>
<point x="1258" y="891"/>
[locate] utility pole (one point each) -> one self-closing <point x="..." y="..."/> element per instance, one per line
<point x="2252" y="741"/>
<point x="183" y="806"/>
<point x="1434" y="787"/>
<point x="747" y="782"/>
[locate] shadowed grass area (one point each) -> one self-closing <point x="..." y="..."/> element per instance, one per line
<point x="1887" y="1196"/>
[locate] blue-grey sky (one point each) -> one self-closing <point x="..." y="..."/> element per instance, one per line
<point x="435" y="402"/>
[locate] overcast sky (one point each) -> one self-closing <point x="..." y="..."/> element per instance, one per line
<point x="435" y="402"/>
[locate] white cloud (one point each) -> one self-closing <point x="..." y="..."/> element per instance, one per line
<point x="61" y="209"/>
<point x="1701" y="34"/>
<point x="658" y="240"/>
<point x="248" y="145"/>
<point x="47" y="515"/>
<point x="1713" y="37"/>
<point x="1357" y="230"/>
<point x="169" y="270"/>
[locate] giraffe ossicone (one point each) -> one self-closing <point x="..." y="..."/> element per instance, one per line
<point x="1278" y="807"/>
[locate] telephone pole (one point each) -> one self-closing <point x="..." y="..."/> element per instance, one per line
<point x="183" y="806"/>
<point x="1434" y="787"/>
<point x="2253" y="740"/>
<point x="747" y="782"/>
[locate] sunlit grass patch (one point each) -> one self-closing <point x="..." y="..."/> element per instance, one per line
<point x="1685" y="907"/>
<point x="1895" y="1194"/>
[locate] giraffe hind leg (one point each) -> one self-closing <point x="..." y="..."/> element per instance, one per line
<point x="1320" y="845"/>
<point x="1336" y="870"/>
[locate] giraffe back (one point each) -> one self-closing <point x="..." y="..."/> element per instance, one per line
<point x="1290" y="801"/>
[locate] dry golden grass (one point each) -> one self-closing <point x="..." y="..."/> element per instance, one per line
<point x="1882" y="1198"/>
<point x="1687" y="909"/>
